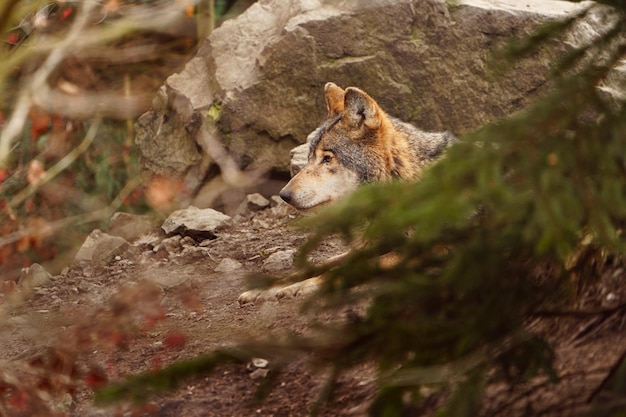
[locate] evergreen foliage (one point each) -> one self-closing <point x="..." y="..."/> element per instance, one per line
<point x="498" y="231"/>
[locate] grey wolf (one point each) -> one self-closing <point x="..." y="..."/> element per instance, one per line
<point x="358" y="143"/>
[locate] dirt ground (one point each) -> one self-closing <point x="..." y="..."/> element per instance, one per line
<point x="152" y="305"/>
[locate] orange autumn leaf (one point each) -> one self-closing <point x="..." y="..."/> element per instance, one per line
<point x="36" y="172"/>
<point x="111" y="6"/>
<point x="23" y="244"/>
<point x="40" y="122"/>
<point x="174" y="339"/>
<point x="39" y="229"/>
<point x="161" y="191"/>
<point x="96" y="378"/>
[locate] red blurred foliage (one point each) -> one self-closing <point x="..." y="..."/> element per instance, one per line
<point x="174" y="339"/>
<point x="119" y="339"/>
<point x="17" y="399"/>
<point x="96" y="378"/>
<point x="40" y="121"/>
<point x="149" y="409"/>
<point x="156" y="363"/>
<point x="66" y="12"/>
<point x="153" y="318"/>
<point x="29" y="205"/>
<point x="136" y="197"/>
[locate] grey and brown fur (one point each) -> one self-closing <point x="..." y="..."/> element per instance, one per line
<point x="359" y="143"/>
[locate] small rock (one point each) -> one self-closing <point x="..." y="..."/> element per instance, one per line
<point x="280" y="209"/>
<point x="107" y="248"/>
<point x="260" y="362"/>
<point x="87" y="270"/>
<point x="300" y="156"/>
<point x="65" y="403"/>
<point x="208" y="242"/>
<point x="200" y="224"/>
<point x="259" y="373"/>
<point x="171" y="244"/>
<point x="194" y="251"/>
<point x="84" y="286"/>
<point x="228" y="265"/>
<point x="188" y="241"/>
<point x="261" y="223"/>
<point x="256" y="202"/>
<point x="252" y="204"/>
<point x="100" y="248"/>
<point x="150" y="239"/>
<point x="34" y="276"/>
<point x="161" y="254"/>
<point x="276" y="201"/>
<point x="238" y="218"/>
<point x="85" y="253"/>
<point x="131" y="226"/>
<point x="279" y="261"/>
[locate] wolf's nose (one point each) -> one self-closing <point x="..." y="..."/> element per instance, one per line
<point x="285" y="194"/>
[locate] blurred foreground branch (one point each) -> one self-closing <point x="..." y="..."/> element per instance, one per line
<point x="60" y="166"/>
<point x="39" y="79"/>
<point x="58" y="225"/>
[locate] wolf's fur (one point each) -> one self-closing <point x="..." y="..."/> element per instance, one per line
<point x="359" y="143"/>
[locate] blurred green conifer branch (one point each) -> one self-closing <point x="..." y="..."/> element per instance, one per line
<point x="492" y="233"/>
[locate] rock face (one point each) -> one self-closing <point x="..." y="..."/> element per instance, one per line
<point x="256" y="84"/>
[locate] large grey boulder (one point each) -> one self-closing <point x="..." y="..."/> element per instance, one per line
<point x="256" y="84"/>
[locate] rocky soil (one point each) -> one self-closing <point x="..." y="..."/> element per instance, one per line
<point x="132" y="304"/>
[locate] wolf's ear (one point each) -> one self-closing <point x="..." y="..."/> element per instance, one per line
<point x="360" y="108"/>
<point x="334" y="99"/>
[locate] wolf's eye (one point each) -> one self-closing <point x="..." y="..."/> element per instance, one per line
<point x="326" y="159"/>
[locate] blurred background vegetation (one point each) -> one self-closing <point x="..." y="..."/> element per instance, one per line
<point x="73" y="78"/>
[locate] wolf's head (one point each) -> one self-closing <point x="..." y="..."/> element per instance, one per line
<point x="348" y="149"/>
